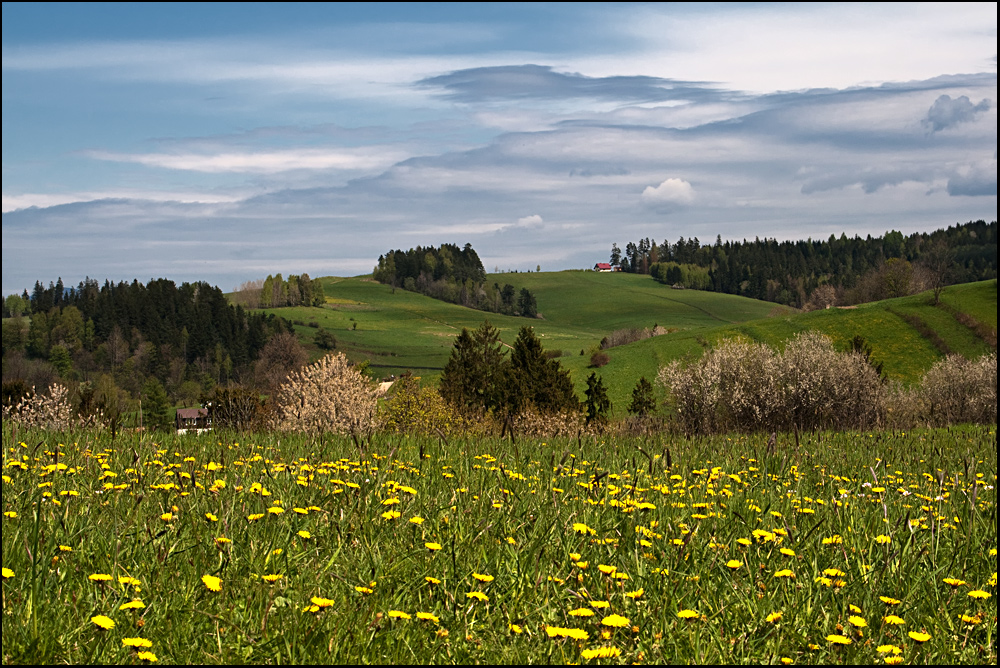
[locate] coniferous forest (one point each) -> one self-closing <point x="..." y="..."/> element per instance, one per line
<point x="123" y="341"/>
<point x="814" y="273"/>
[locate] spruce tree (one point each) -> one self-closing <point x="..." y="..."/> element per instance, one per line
<point x="598" y="405"/>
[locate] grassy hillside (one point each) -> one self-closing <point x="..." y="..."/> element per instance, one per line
<point x="397" y="330"/>
<point x="401" y="330"/>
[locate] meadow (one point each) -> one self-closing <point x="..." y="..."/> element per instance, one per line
<point x="398" y="330"/>
<point x="827" y="548"/>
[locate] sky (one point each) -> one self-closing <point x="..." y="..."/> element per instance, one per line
<point x="225" y="142"/>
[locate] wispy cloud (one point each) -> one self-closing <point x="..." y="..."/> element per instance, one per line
<point x="263" y="162"/>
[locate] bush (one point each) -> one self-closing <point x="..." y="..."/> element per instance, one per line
<point x="412" y="409"/>
<point x="329" y="396"/>
<point x="599" y="359"/>
<point x="51" y="411"/>
<point x="960" y="390"/>
<point x="746" y="386"/>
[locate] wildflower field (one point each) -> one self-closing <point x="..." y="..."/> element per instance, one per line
<point x="838" y="548"/>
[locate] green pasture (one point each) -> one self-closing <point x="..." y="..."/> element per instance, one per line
<point x="399" y="330"/>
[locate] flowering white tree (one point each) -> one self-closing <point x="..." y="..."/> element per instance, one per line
<point x="329" y="396"/>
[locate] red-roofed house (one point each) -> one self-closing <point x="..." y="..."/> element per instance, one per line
<point x="603" y="266"/>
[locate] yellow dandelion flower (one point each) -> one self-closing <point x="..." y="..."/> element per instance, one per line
<point x="575" y="556"/>
<point x="979" y="594"/>
<point x="433" y="581"/>
<point x="580" y="527"/>
<point x="321" y="602"/>
<point x="971" y="621"/>
<point x="300" y="511"/>
<point x="7" y="574"/>
<point x="838" y="639"/>
<point x="271" y="578"/>
<point x="581" y="612"/>
<point x="428" y="617"/>
<point x="136" y="642"/>
<point x="600" y="605"/>
<point x="883" y="539"/>
<point x="135" y="604"/>
<point x="888" y="649"/>
<point x="917" y="636"/>
<point x="10" y="514"/>
<point x="105" y="623"/>
<point x="416" y="520"/>
<point x="788" y="552"/>
<point x="607" y="570"/>
<point x="398" y="614"/>
<point x="954" y="582"/>
<point x="833" y="573"/>
<point x="745" y="542"/>
<point x="893" y="620"/>
<point x="786" y="661"/>
<point x="515" y="629"/>
<point x="893" y="660"/>
<point x="254" y="517"/>
<point x="889" y="601"/>
<point x="212" y="583"/>
<point x="784" y="573"/>
<point x="478" y="595"/>
<point x="773" y="618"/>
<point x="222" y="540"/>
<point x="615" y="621"/>
<point x="167" y="517"/>
<point x="601" y="653"/>
<point x="304" y="535"/>
<point x="635" y="594"/>
<point x="857" y="622"/>
<point x="211" y="518"/>
<point x="147" y="656"/>
<point x="364" y="590"/>
<point x="99" y="577"/>
<point x="482" y="578"/>
<point x="433" y="547"/>
<point x="65" y="548"/>
<point x="733" y="564"/>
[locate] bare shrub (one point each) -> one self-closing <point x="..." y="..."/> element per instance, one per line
<point x="746" y="386"/>
<point x="530" y="422"/>
<point x="599" y="359"/>
<point x="50" y="410"/>
<point x="960" y="390"/>
<point x="329" y="396"/>
<point x="621" y="337"/>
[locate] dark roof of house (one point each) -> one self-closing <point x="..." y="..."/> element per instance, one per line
<point x="191" y="413"/>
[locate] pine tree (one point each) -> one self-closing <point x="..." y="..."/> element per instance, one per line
<point x="598" y="405"/>
<point x="643" y="402"/>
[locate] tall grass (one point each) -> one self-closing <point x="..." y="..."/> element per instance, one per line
<point x="537" y="516"/>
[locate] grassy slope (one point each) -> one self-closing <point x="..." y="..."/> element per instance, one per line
<point x="404" y="330"/>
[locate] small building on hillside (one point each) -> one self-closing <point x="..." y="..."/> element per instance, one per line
<point x="603" y="266"/>
<point x="192" y="419"/>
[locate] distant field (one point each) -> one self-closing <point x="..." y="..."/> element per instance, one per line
<point x="401" y="330"/>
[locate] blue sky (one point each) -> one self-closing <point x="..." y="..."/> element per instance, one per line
<point x="226" y="142"/>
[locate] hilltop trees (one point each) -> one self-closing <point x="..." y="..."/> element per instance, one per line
<point x="453" y="275"/>
<point x="790" y="272"/>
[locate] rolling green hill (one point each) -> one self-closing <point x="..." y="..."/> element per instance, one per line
<point x="399" y="330"/>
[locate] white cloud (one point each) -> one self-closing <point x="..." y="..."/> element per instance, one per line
<point x="263" y="162"/>
<point x="671" y="191"/>
<point x="12" y="202"/>
<point x="533" y="220"/>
